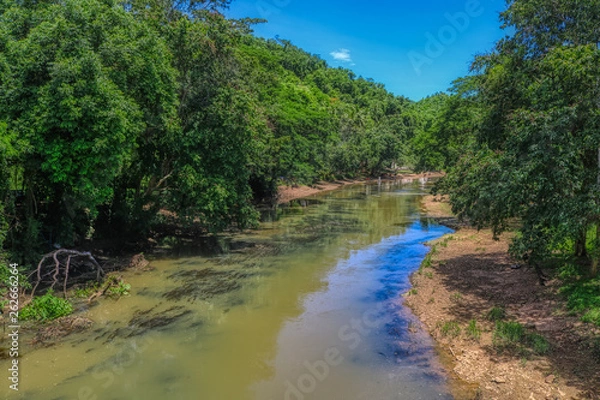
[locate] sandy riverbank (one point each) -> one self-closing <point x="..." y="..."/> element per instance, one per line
<point x="470" y="273"/>
<point x="289" y="193"/>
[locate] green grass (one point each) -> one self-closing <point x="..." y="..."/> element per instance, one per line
<point x="450" y="328"/>
<point x="444" y="242"/>
<point x="496" y="314"/>
<point x="592" y="316"/>
<point x="513" y="337"/>
<point x="538" y="343"/>
<point x="427" y="262"/>
<point x="473" y="331"/>
<point x="508" y="333"/>
<point x="582" y="293"/>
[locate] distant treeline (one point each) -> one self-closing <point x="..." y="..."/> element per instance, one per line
<point x="111" y="111"/>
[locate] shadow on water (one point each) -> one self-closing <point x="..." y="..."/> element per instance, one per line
<point x="205" y="284"/>
<point x="240" y="316"/>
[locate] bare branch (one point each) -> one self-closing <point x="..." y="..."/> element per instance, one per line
<point x="50" y="272"/>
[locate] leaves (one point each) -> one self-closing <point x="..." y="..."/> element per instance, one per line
<point x="116" y="110"/>
<point x="535" y="154"/>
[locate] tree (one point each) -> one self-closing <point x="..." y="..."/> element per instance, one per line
<point x="84" y="81"/>
<point x="113" y="112"/>
<point x="536" y="152"/>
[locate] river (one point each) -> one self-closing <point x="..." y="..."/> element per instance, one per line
<point x="308" y="306"/>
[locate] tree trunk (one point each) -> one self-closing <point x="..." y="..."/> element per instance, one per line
<point x="580" y="250"/>
<point x="593" y="270"/>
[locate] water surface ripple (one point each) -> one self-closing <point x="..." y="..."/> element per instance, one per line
<point x="308" y="306"/>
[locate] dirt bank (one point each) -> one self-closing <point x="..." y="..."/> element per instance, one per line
<point x="289" y="192"/>
<point x="470" y="274"/>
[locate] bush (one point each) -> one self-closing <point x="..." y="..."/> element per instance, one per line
<point x="46" y="308"/>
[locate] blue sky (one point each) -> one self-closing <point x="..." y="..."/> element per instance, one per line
<point x="415" y="48"/>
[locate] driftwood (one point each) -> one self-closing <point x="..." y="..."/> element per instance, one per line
<point x="113" y="281"/>
<point x="62" y="264"/>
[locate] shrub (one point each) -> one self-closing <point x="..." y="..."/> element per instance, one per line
<point x="46" y="308"/>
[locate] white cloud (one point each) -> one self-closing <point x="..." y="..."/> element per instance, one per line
<point x="342" y="55"/>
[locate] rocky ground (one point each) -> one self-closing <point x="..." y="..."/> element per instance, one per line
<point x="471" y="274"/>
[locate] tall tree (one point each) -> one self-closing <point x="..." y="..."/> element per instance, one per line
<point x="536" y="156"/>
<point x="84" y="80"/>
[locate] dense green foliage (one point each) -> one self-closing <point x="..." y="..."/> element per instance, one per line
<point x="520" y="138"/>
<point x="116" y="113"/>
<point x="446" y="126"/>
<point x="46" y="308"/>
<point x="112" y="111"/>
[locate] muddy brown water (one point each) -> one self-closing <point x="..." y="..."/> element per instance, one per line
<point x="305" y="307"/>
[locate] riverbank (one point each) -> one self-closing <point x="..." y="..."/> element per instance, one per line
<point x="460" y="293"/>
<point x="287" y="193"/>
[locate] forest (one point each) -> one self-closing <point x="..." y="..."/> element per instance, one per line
<point x="113" y="111"/>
